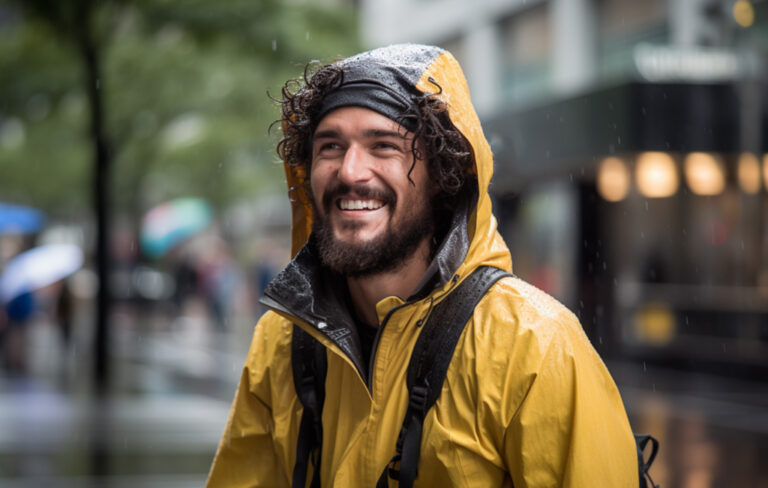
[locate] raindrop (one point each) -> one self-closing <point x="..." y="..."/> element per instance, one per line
<point x="618" y="140"/>
<point x="686" y="320"/>
<point x="600" y="339"/>
<point x="274" y="44"/>
<point x="605" y="266"/>
<point x="646" y="205"/>
<point x="642" y="235"/>
<point x="742" y="244"/>
<point x="307" y="36"/>
<point x="654" y="387"/>
<point x="98" y="84"/>
<point x="645" y="368"/>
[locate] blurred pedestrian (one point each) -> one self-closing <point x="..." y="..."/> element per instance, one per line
<point x="18" y="312"/>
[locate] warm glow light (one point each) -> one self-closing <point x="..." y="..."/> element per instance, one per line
<point x="749" y="173"/>
<point x="704" y="173"/>
<point x="765" y="170"/>
<point x="743" y="13"/>
<point x="656" y="175"/>
<point x="613" y="179"/>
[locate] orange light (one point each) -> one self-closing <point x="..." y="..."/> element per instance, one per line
<point x="765" y="170"/>
<point x="656" y="175"/>
<point x="743" y="13"/>
<point x="613" y="179"/>
<point x="704" y="173"/>
<point x="749" y="173"/>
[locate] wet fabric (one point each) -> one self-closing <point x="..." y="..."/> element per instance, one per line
<point x="526" y="400"/>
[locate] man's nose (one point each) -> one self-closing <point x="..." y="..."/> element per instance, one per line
<point x="355" y="167"/>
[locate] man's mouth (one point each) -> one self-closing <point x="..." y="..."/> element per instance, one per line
<point x="350" y="204"/>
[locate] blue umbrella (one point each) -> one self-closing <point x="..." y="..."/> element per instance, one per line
<point x="172" y="222"/>
<point x="17" y="219"/>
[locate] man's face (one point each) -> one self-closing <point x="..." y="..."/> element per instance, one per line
<point x="369" y="216"/>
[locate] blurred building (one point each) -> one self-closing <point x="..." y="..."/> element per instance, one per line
<point x="631" y="142"/>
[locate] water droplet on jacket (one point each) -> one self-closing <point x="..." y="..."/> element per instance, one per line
<point x="321" y="325"/>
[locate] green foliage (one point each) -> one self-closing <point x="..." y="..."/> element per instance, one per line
<point x="185" y="87"/>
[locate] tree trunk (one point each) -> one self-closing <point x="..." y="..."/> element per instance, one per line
<point x="101" y="162"/>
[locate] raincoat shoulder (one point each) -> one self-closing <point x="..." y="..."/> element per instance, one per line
<point x="256" y="448"/>
<point x="548" y="413"/>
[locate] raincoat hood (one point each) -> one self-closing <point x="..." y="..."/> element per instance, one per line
<point x="384" y="80"/>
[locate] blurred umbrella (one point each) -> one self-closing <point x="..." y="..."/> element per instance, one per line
<point x="38" y="267"/>
<point x="17" y="219"/>
<point x="172" y="222"/>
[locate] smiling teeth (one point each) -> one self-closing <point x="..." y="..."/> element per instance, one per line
<point x="359" y="204"/>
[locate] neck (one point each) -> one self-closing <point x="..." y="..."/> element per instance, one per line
<point x="367" y="291"/>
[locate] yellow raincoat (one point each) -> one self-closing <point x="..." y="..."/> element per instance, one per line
<point x="526" y="400"/>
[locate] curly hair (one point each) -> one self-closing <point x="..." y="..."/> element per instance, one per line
<point x="450" y="162"/>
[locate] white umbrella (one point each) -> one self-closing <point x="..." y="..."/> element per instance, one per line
<point x="38" y="267"/>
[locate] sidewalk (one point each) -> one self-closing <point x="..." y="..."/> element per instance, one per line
<point x="159" y="426"/>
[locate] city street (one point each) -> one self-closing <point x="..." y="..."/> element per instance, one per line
<point x="173" y="384"/>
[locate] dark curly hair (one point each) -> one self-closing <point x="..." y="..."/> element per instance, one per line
<point x="447" y="152"/>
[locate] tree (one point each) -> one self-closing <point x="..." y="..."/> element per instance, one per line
<point x="179" y="86"/>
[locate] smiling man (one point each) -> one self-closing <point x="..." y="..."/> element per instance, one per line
<point x="388" y="173"/>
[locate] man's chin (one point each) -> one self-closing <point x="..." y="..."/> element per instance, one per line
<point x="356" y="235"/>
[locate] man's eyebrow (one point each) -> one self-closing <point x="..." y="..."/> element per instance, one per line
<point x="383" y="133"/>
<point x="326" y="134"/>
<point x="369" y="133"/>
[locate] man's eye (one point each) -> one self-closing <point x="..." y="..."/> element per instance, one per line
<point x="329" y="146"/>
<point x="386" y="146"/>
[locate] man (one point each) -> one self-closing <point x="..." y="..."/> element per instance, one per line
<point x="388" y="173"/>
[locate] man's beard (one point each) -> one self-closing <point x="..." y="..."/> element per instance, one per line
<point x="383" y="253"/>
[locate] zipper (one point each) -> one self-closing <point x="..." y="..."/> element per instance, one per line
<point x="375" y="346"/>
<point x="384" y="322"/>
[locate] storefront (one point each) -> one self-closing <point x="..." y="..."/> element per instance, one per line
<point x="644" y="208"/>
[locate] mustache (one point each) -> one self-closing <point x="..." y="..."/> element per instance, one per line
<point x="339" y="189"/>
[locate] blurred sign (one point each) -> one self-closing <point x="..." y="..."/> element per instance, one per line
<point x="665" y="63"/>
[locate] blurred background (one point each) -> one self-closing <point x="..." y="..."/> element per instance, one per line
<point x="143" y="210"/>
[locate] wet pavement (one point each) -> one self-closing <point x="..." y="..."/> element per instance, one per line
<point x="173" y="382"/>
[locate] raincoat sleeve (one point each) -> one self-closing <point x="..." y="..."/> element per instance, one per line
<point x="248" y="454"/>
<point x="571" y="429"/>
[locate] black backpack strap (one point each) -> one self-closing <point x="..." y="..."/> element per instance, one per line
<point x="309" y="364"/>
<point x="642" y="440"/>
<point x="429" y="363"/>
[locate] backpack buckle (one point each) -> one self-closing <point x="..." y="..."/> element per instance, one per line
<point x="418" y="398"/>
